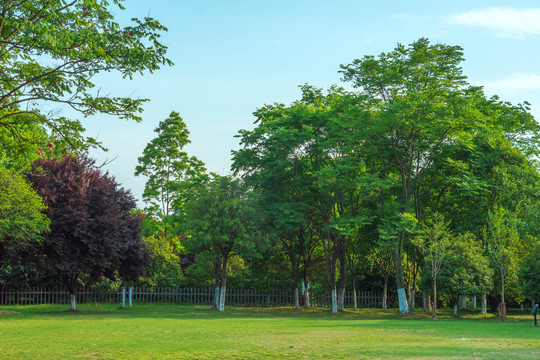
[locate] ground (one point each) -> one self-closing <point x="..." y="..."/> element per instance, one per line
<point x="199" y="332"/>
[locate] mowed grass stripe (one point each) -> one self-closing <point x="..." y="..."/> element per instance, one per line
<point x="169" y="332"/>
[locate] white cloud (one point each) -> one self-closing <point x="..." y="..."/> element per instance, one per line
<point x="518" y="81"/>
<point x="507" y="22"/>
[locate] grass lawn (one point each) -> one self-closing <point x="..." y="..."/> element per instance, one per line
<point x="179" y="332"/>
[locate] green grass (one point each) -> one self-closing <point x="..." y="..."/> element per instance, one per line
<point x="180" y="332"/>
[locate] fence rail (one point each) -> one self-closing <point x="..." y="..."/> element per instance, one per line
<point x="143" y="295"/>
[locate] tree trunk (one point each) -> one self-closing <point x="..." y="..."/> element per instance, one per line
<point x="342" y="275"/>
<point x="385" y="293"/>
<point x="294" y="268"/>
<point x="223" y="291"/>
<point x="217" y="269"/>
<point x="334" y="300"/>
<point x="426" y="303"/>
<point x="434" y="307"/>
<point x="474" y="302"/>
<point x="73" y="303"/>
<point x="341" y="299"/>
<point x="355" y="301"/>
<point x="462" y="302"/>
<point x="412" y="299"/>
<point x="402" y="297"/>
<point x="306" y="287"/>
<point x="503" y="305"/>
<point x="455" y="309"/>
<point x="484" y="305"/>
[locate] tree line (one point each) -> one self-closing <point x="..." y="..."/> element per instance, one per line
<point x="405" y="177"/>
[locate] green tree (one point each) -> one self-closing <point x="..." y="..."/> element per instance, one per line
<point x="529" y="272"/>
<point x="222" y="221"/>
<point x="21" y="211"/>
<point x="434" y="241"/>
<point x="50" y="50"/>
<point x="164" y="268"/>
<point x="422" y="114"/>
<point x="169" y="169"/>
<point x="502" y="240"/>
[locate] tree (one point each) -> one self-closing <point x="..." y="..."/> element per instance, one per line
<point x="50" y="50"/>
<point x="529" y="272"/>
<point x="466" y="270"/>
<point x="167" y="167"/>
<point x="421" y="111"/>
<point x="94" y="232"/>
<point x="222" y="221"/>
<point x="502" y="239"/>
<point x="21" y="211"/>
<point x="434" y="241"/>
<point x="164" y="268"/>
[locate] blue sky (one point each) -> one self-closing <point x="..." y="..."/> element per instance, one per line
<point x="232" y="57"/>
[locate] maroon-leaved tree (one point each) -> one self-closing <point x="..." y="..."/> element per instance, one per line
<point x="94" y="232"/>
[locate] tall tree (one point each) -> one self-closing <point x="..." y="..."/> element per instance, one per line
<point x="50" y="50"/>
<point x="420" y="109"/>
<point x="222" y="221"/>
<point x="94" y="232"/>
<point x="167" y="167"/>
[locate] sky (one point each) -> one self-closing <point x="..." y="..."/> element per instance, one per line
<point x="232" y="57"/>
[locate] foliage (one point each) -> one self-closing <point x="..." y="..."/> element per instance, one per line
<point x="222" y="219"/>
<point x="466" y="270"/>
<point x="94" y="232"/>
<point x="165" y="266"/>
<point x="21" y="217"/>
<point x="412" y="140"/>
<point x="50" y="51"/>
<point x="223" y="222"/>
<point x="169" y="169"/>
<point x="529" y="272"/>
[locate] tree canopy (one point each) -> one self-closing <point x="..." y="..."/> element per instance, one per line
<point x="94" y="231"/>
<point x="21" y="211"/>
<point x="50" y="52"/>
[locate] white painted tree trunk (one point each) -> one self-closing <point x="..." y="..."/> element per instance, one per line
<point x="341" y="299"/>
<point x="355" y="300"/>
<point x="455" y="309"/>
<point x="522" y="307"/>
<point x="474" y="302"/>
<point x="334" y="301"/>
<point x="296" y="298"/>
<point x="306" y="297"/>
<point x="402" y="298"/>
<point x="222" y="298"/>
<point x="462" y="302"/>
<point x="73" y="302"/>
<point x="484" y="305"/>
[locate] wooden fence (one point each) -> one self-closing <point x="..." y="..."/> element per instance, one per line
<point x="238" y="297"/>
